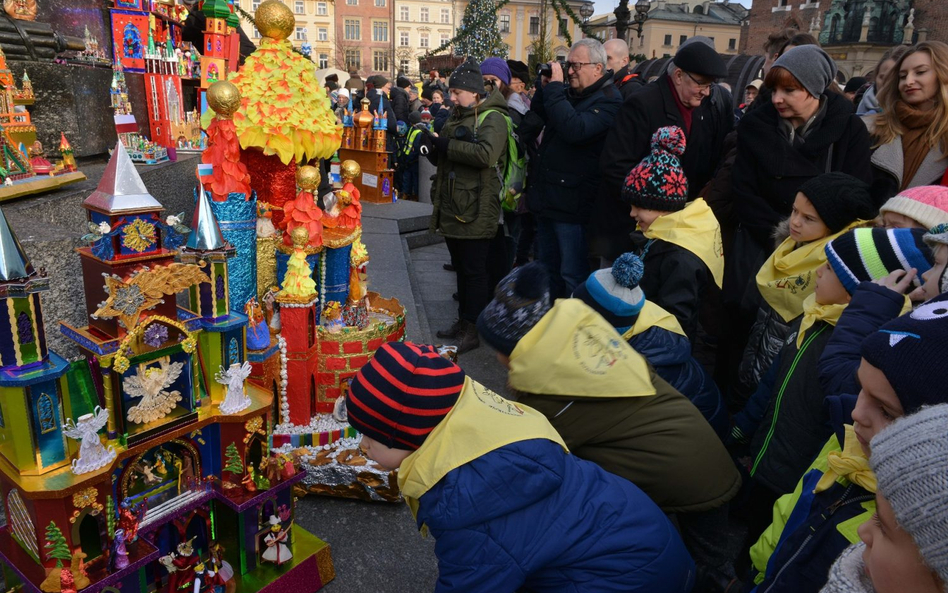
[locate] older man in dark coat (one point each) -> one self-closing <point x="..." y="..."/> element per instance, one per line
<point x="680" y="97"/>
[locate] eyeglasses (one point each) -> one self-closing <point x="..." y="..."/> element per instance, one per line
<point x="701" y="85"/>
<point x="575" y="66"/>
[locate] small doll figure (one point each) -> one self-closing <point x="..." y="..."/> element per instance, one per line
<point x="273" y="309"/>
<point x="258" y="335"/>
<point x="265" y="228"/>
<point x="277" y="552"/>
<point x="273" y="468"/>
<point x="289" y="467"/>
<point x="180" y="565"/>
<point x="298" y="281"/>
<point x="352" y="211"/>
<point x="356" y="311"/>
<point x="302" y="211"/>
<point x="332" y="317"/>
<point x="248" y="482"/>
<point x="129" y="518"/>
<point x="118" y="555"/>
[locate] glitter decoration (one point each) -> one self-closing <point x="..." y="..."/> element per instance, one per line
<point x="237" y="218"/>
<point x="24" y="328"/>
<point x="128" y="300"/>
<point x="23" y="529"/>
<point x="139" y="235"/>
<point x="156" y="335"/>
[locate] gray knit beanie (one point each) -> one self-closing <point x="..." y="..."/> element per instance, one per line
<point x="810" y="65"/>
<point x="910" y="460"/>
<point x="848" y="574"/>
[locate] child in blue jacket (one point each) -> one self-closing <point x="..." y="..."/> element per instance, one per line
<point x="492" y="481"/>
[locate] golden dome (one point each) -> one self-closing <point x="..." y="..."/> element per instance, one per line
<point x="224" y="98"/>
<point x="350" y="169"/>
<point x="300" y="236"/>
<point x="274" y="19"/>
<point x="308" y="177"/>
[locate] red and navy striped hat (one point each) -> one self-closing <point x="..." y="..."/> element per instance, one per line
<point x="402" y="394"/>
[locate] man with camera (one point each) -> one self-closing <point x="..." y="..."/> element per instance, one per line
<point x="575" y="104"/>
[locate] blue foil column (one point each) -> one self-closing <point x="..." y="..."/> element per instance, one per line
<point x="237" y="219"/>
<point x="336" y="287"/>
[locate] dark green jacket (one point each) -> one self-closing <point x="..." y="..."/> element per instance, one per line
<point x="466" y="191"/>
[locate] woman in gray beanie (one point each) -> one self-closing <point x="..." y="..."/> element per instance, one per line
<point x="905" y="545"/>
<point x="806" y="130"/>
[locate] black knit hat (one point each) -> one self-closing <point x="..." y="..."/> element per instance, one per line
<point x="658" y="182"/>
<point x="378" y="81"/>
<point x="839" y="199"/>
<point x="402" y="394"/>
<point x="521" y="299"/>
<point x="699" y="58"/>
<point x="402" y="82"/>
<point x="467" y="77"/>
<point x="910" y="350"/>
<point x="519" y="70"/>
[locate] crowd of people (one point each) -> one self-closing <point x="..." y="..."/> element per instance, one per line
<point x="733" y="323"/>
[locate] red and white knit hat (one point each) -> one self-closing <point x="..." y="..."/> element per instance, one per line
<point x="928" y="204"/>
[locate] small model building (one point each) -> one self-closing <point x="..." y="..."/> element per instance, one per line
<point x="364" y="141"/>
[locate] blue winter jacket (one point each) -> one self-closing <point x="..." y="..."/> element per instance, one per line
<point x="529" y="517"/>
<point x="670" y="354"/>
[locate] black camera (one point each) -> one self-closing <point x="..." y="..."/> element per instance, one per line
<point x="547" y="70"/>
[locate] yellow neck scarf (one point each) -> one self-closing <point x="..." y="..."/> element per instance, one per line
<point x="813" y="312"/>
<point x="480" y="422"/>
<point x="650" y="316"/>
<point x="789" y="275"/>
<point x="572" y="351"/>
<point x="696" y="229"/>
<point x="850" y="463"/>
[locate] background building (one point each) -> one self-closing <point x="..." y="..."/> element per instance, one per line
<point x="521" y="24"/>
<point x="363" y="36"/>
<point x="671" y="24"/>
<point x="314" y="26"/>
<point x="422" y="25"/>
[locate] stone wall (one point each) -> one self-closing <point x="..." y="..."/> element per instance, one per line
<point x="766" y="17"/>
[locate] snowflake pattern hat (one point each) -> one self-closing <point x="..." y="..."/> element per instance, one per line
<point x="658" y="182"/>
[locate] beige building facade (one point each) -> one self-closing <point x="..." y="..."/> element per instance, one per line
<point x="314" y="25"/>
<point x="420" y="26"/>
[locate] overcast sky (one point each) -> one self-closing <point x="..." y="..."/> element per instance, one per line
<point x="610" y="5"/>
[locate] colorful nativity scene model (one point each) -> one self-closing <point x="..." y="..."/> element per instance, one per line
<point x="215" y="358"/>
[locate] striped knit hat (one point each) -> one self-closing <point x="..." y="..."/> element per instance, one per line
<point x="658" y="182"/>
<point x="863" y="255"/>
<point x="927" y="204"/>
<point x="402" y="394"/>
<point x="910" y="460"/>
<point x="614" y="293"/>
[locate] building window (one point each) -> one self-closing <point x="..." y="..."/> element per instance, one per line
<point x="256" y="33"/>
<point x="445" y="16"/>
<point x="301" y="34"/>
<point x="353" y="60"/>
<point x="323" y="61"/>
<point x="353" y="32"/>
<point x="732" y="43"/>
<point x="380" y="32"/>
<point x="682" y="39"/>
<point x="564" y="27"/>
<point x="403" y="13"/>
<point x="352" y="2"/>
<point x="504" y="23"/>
<point x="298" y="7"/>
<point x="423" y="40"/>
<point x="668" y="40"/>
<point x="534" y="25"/>
<point x="322" y="9"/>
<point x="403" y="39"/>
<point x="255" y="5"/>
<point x="380" y="60"/>
<point x="444" y="38"/>
<point x="424" y="14"/>
<point x="403" y="66"/>
<point x="322" y="34"/>
<point x="380" y="3"/>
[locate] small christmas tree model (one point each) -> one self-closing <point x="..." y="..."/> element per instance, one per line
<point x="56" y="545"/>
<point x="478" y="36"/>
<point x="234" y="465"/>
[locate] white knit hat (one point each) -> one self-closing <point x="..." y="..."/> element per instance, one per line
<point x="910" y="460"/>
<point x="928" y="204"/>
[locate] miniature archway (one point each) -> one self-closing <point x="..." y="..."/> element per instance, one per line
<point x="161" y="473"/>
<point x="89" y="533"/>
<point x="254" y="452"/>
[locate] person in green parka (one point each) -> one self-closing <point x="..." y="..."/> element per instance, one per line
<point x="469" y="152"/>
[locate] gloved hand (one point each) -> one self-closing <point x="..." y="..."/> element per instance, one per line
<point x="440" y="143"/>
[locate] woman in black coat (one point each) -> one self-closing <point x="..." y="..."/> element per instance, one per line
<point x="806" y="130"/>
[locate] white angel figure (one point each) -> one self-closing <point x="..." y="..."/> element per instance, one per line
<point x="151" y="385"/>
<point x="234" y="377"/>
<point x="92" y="453"/>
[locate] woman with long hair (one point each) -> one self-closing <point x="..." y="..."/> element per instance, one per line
<point x="910" y="136"/>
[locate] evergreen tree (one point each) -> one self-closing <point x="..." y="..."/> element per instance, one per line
<point x="478" y="36"/>
<point x="56" y="545"/>
<point x="234" y="465"/>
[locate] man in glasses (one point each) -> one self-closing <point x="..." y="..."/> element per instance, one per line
<point x="680" y="97"/>
<point x="577" y="105"/>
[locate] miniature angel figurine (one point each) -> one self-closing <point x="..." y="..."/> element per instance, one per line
<point x="332" y="317"/>
<point x="152" y="386"/>
<point x="92" y="453"/>
<point x="265" y="228"/>
<point x="234" y="377"/>
<point x="118" y="555"/>
<point x="298" y="281"/>
<point x="276" y="551"/>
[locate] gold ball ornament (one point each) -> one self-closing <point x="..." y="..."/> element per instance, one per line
<point x="274" y="19"/>
<point x="308" y="177"/>
<point x="224" y="98"/>
<point x="350" y="169"/>
<point x="300" y="237"/>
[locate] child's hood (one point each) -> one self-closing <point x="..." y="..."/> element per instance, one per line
<point x="572" y="351"/>
<point x="696" y="229"/>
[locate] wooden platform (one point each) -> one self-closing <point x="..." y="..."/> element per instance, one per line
<point x="39" y="184"/>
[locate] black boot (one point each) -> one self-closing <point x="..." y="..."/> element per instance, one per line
<point x="452" y="332"/>
<point x="468" y="339"/>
